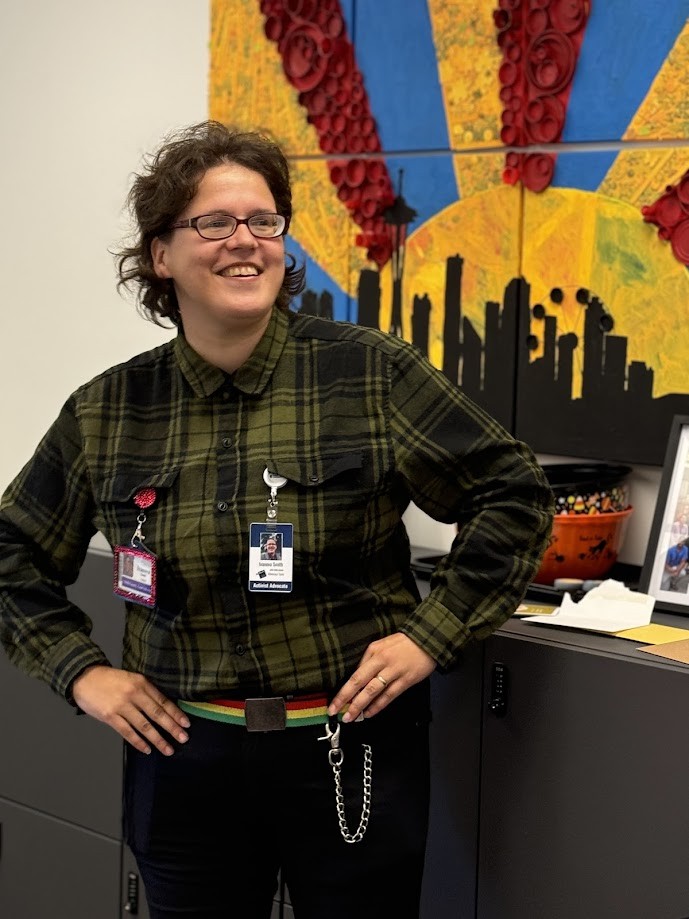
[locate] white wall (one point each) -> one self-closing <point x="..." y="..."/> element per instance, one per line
<point x="86" y="88"/>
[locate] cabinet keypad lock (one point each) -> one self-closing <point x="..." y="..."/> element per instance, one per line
<point x="498" y="690"/>
<point x="132" y="904"/>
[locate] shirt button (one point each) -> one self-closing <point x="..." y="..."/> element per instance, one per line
<point x="240" y="649"/>
<point x="222" y="506"/>
<point x="314" y="479"/>
<point x="227" y="441"/>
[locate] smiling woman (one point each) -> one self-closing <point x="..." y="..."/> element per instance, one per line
<point x="220" y="282"/>
<point x="225" y="287"/>
<point x="260" y="453"/>
<point x="196" y="172"/>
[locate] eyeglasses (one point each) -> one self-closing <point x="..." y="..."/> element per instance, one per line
<point x="222" y="226"/>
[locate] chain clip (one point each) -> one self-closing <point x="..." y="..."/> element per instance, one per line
<point x="336" y="758"/>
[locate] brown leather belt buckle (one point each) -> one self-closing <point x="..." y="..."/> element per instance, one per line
<point x="265" y="714"/>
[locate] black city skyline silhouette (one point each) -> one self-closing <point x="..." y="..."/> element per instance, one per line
<point x="615" y="418"/>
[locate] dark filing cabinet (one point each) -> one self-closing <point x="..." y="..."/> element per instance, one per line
<point x="558" y="784"/>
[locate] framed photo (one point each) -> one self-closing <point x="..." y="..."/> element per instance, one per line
<point x="665" y="573"/>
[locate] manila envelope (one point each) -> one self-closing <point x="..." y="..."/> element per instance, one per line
<point x="672" y="650"/>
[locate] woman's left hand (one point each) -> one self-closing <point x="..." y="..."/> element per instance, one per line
<point x="389" y="667"/>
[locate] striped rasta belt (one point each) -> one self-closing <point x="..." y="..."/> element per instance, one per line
<point x="272" y="714"/>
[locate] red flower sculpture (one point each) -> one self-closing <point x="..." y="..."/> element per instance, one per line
<point x="671" y="214"/>
<point x="318" y="60"/>
<point x="540" y="42"/>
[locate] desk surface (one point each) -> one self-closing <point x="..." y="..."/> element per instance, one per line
<point x="590" y="642"/>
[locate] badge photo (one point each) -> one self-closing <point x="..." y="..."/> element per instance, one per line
<point x="270" y="557"/>
<point x="134" y="575"/>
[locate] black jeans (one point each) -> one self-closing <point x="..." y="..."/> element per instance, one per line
<point x="212" y="825"/>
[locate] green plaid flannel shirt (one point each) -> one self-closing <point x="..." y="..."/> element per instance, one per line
<point x="359" y="423"/>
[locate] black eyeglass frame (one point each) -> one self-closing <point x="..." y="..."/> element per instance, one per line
<point x="193" y="222"/>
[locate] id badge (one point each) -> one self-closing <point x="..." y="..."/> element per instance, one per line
<point x="134" y="576"/>
<point x="270" y="557"/>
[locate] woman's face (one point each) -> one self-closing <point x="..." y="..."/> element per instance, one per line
<point x="271" y="547"/>
<point x="222" y="284"/>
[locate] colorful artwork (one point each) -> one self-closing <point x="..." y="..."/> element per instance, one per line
<point x="561" y="310"/>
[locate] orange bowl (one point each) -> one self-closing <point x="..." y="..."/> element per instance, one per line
<point x="583" y="547"/>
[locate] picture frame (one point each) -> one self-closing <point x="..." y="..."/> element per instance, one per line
<point x="665" y="572"/>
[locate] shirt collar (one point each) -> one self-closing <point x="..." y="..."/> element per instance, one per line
<point x="252" y="377"/>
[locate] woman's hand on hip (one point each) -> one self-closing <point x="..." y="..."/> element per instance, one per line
<point x="388" y="667"/>
<point x="131" y="705"/>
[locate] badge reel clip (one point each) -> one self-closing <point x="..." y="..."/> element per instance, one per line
<point x="135" y="575"/>
<point x="273" y="482"/>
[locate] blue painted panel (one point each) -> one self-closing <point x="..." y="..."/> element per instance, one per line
<point x="428" y="183"/>
<point x="396" y="54"/>
<point x="582" y="170"/>
<point x="625" y="44"/>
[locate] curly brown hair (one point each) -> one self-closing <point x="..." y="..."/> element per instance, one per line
<point x="169" y="181"/>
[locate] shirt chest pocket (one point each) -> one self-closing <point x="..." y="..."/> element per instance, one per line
<point x="326" y="496"/>
<point x="119" y="511"/>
